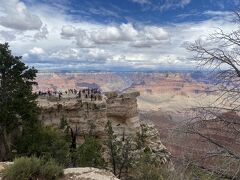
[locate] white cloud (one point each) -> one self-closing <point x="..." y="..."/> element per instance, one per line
<point x="142" y="1"/>
<point x="153" y="32"/>
<point x="76" y="55"/>
<point x="97" y="53"/>
<point x="128" y="31"/>
<point x="106" y="35"/>
<point x="72" y="54"/>
<point x="69" y="31"/>
<point x="65" y="43"/>
<point x="15" y="15"/>
<point x="100" y="35"/>
<point x="7" y="35"/>
<point x="173" y="4"/>
<point x="36" y="51"/>
<point x="42" y="33"/>
<point x="185" y="2"/>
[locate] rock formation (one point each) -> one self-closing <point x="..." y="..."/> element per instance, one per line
<point x="85" y="116"/>
<point x="88" y="174"/>
<point x="80" y="115"/>
<point x="122" y="112"/>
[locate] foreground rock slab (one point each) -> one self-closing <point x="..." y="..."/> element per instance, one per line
<point x="88" y="174"/>
<point x="4" y="165"/>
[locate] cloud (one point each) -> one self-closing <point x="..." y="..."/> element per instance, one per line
<point x="141" y="1"/>
<point x="7" y="35"/>
<point x="36" y="51"/>
<point x="65" y="43"/>
<point x="80" y="56"/>
<point x="69" y="31"/>
<point x="173" y="4"/>
<point x="154" y="32"/>
<point x="107" y="35"/>
<point x="69" y="54"/>
<point x="42" y="33"/>
<point x="128" y="31"/>
<point x="102" y="35"/>
<point x="185" y="2"/>
<point x="15" y="15"/>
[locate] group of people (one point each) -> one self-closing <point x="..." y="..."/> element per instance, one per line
<point x="93" y="94"/>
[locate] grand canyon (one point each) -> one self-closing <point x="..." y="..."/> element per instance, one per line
<point x="164" y="100"/>
<point x="127" y="89"/>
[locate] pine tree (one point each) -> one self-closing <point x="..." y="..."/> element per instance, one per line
<point x="18" y="107"/>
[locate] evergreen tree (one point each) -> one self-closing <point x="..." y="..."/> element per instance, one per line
<point x="18" y="107"/>
<point x="120" y="152"/>
<point x="89" y="153"/>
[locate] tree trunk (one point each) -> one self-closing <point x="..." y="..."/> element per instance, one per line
<point x="4" y="146"/>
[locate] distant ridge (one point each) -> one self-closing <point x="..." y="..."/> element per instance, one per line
<point x="130" y="71"/>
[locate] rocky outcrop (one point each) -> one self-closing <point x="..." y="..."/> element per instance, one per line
<point x="82" y="116"/>
<point x="86" y="116"/>
<point x="154" y="143"/>
<point x="88" y="174"/>
<point x="122" y="112"/>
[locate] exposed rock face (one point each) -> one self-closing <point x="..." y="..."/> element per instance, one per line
<point x="88" y="174"/>
<point x="81" y="115"/>
<point x="85" y="115"/>
<point x="154" y="143"/>
<point x="122" y="112"/>
<point x="120" y="109"/>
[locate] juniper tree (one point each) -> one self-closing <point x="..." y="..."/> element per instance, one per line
<point x="18" y="107"/>
<point x="120" y="152"/>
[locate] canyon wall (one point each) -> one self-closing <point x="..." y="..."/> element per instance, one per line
<point x="86" y="116"/>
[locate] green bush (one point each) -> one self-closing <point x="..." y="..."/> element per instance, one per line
<point x="26" y="168"/>
<point x="23" y="168"/>
<point x="45" y="142"/>
<point x="50" y="170"/>
<point x="89" y="154"/>
<point x="147" y="168"/>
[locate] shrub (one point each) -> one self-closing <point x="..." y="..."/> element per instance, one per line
<point x="25" y="168"/>
<point x="45" y="142"/>
<point x="141" y="137"/>
<point x="147" y="168"/>
<point x="89" y="154"/>
<point x="50" y="170"/>
<point x="121" y="152"/>
<point x="63" y="123"/>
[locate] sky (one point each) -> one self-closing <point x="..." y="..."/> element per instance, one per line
<point x="111" y="35"/>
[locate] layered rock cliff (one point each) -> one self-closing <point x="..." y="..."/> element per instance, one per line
<point x="86" y="116"/>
